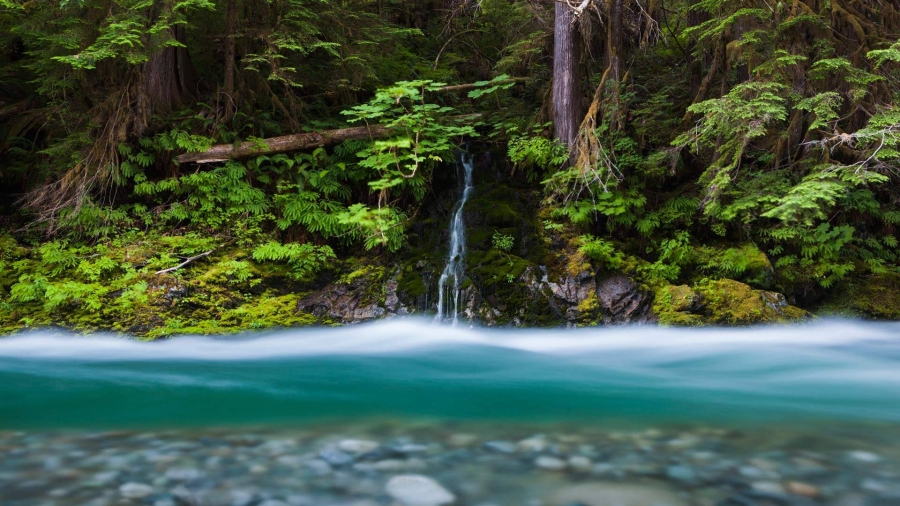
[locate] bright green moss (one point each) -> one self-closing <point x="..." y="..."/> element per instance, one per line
<point x="730" y="302"/>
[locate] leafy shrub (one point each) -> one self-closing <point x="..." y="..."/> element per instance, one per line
<point x="502" y="242"/>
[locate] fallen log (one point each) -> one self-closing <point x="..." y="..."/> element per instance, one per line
<point x="293" y="142"/>
<point x="283" y="144"/>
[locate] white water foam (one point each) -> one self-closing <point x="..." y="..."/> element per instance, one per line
<point x="395" y="336"/>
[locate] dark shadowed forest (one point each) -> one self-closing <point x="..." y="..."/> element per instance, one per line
<point x="174" y="166"/>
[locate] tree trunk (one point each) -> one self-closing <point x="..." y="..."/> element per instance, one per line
<point x="565" y="76"/>
<point x="230" y="21"/>
<point x="695" y="18"/>
<point x="283" y="144"/>
<point x="614" y="38"/>
<point x="169" y="77"/>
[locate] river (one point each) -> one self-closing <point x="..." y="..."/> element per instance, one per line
<point x="335" y="416"/>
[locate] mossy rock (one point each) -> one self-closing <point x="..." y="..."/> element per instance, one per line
<point x="677" y="306"/>
<point x="491" y="267"/>
<point x="876" y="297"/>
<point x="730" y="302"/>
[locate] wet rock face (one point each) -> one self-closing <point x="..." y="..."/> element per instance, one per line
<point x="355" y="302"/>
<point x="622" y="301"/>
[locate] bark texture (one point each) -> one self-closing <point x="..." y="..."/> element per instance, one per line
<point x="565" y="76"/>
<point x="170" y="80"/>
<point x="294" y="142"/>
<point x="230" y="21"/>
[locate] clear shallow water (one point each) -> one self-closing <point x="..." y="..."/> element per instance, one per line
<point x="410" y="369"/>
<point x="631" y="416"/>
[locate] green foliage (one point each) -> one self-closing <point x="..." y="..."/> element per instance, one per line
<point x="378" y="227"/>
<point x="303" y="259"/>
<point x="128" y="33"/>
<point x="730" y="124"/>
<point x="672" y="255"/>
<point x="502" y="241"/>
<point x="763" y="124"/>
<point x="601" y="251"/>
<point x="423" y="135"/>
<point x="820" y="258"/>
<point x="539" y="156"/>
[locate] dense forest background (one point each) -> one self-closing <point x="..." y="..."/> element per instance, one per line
<point x="677" y="139"/>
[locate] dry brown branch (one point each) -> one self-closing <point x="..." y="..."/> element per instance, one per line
<point x="121" y="114"/>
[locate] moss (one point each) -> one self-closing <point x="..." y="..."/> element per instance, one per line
<point x="411" y="284"/>
<point x="730" y="302"/>
<point x="676" y="306"/>
<point x="876" y="297"/>
<point x="577" y="261"/>
<point x="492" y="267"/>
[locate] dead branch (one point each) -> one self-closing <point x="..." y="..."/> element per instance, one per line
<point x="182" y="264"/>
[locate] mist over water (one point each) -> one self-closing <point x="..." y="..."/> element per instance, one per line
<point x="409" y="369"/>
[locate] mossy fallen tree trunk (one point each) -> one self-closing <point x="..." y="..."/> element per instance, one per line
<point x="284" y="144"/>
<point x="294" y="142"/>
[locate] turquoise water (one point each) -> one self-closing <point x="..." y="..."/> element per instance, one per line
<point x="405" y="413"/>
<point x="412" y="370"/>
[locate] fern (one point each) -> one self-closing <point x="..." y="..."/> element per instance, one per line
<point x="303" y="259"/>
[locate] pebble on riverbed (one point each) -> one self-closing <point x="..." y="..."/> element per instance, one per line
<point x="418" y="490"/>
<point x="436" y="466"/>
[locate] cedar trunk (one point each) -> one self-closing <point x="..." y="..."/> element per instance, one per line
<point x="565" y="76"/>
<point x="230" y="21"/>
<point x="170" y="80"/>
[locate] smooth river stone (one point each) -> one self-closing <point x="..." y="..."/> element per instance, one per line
<point x="533" y="445"/>
<point x="866" y="457"/>
<point x="418" y="490"/>
<point x="616" y="494"/>
<point x="135" y="490"/>
<point x="550" y="463"/>
<point x="357" y="446"/>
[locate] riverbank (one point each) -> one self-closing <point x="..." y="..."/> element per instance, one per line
<point x="518" y="264"/>
<point x="129" y="285"/>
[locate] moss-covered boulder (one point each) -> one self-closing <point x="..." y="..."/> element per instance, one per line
<point x="678" y="306"/>
<point x="876" y="297"/>
<point x="730" y="302"/>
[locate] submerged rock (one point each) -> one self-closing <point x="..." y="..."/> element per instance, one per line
<point x="550" y="463"/>
<point x="418" y="490"/>
<point x="501" y="446"/>
<point x="616" y="494"/>
<point x="357" y="446"/>
<point x="133" y="490"/>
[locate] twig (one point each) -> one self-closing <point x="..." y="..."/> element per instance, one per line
<point x="182" y="264"/>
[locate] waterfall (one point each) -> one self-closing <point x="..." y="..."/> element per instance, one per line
<point x="448" y="286"/>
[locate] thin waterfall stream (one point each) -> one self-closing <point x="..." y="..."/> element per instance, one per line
<point x="451" y="278"/>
